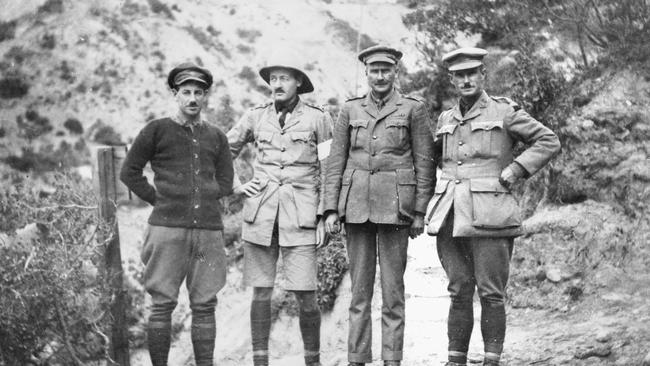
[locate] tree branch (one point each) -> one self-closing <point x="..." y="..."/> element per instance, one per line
<point x="66" y="337"/>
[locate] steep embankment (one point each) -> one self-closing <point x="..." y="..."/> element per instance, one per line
<point x="103" y="63"/>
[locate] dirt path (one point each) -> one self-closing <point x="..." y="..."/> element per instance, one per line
<point x="614" y="321"/>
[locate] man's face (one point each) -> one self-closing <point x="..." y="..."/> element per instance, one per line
<point x="469" y="82"/>
<point x="191" y="97"/>
<point x="284" y="85"/>
<point x="381" y="76"/>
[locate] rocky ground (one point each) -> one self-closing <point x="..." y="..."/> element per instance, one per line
<point x="607" y="327"/>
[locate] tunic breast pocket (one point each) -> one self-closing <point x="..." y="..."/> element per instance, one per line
<point x="397" y="131"/>
<point x="303" y="147"/>
<point x="358" y="133"/>
<point x="446" y="133"/>
<point x="264" y="144"/>
<point x="487" y="137"/>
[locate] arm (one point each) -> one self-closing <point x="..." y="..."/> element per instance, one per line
<point x="238" y="136"/>
<point x="224" y="167"/>
<point x="335" y="166"/>
<point x="324" y="144"/>
<point x="241" y="134"/>
<point x="422" y="146"/>
<point x="141" y="152"/>
<point x="543" y="143"/>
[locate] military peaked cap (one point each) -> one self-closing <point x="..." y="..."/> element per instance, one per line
<point x="380" y="54"/>
<point x="464" y="58"/>
<point x="188" y="71"/>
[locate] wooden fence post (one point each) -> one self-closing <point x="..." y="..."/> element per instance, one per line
<point x="109" y="160"/>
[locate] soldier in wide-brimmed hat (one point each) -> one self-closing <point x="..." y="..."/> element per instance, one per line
<point x="283" y="202"/>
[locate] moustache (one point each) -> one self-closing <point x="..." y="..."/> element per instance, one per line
<point x="466" y="85"/>
<point x="278" y="90"/>
<point x="192" y="104"/>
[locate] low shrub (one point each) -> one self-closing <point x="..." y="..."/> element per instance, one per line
<point x="74" y="126"/>
<point x="159" y="7"/>
<point x="249" y="34"/>
<point x="14" y="86"/>
<point x="7" y="30"/>
<point x="51" y="7"/>
<point x="347" y="34"/>
<point x="54" y="302"/>
<point x="33" y="125"/>
<point x="48" y="41"/>
<point x="108" y="136"/>
<point x="332" y="265"/>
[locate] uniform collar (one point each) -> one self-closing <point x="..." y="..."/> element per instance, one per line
<point x="474" y="111"/>
<point x="289" y="108"/>
<point x="381" y="102"/>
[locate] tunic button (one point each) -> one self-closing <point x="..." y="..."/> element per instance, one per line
<point x="281" y="166"/>
<point x="282" y="132"/>
<point x="280" y="183"/>
<point x="194" y="221"/>
<point x="196" y="206"/>
<point x="196" y="172"/>
<point x="194" y="141"/>
<point x="461" y="123"/>
<point x="457" y="181"/>
<point x="460" y="163"/>
<point x="283" y="149"/>
<point x="460" y="143"/>
<point x="196" y="156"/>
<point x="374" y="154"/>
<point x="374" y="137"/>
<point x="372" y="172"/>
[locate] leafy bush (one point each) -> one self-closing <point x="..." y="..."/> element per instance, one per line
<point x="14" y="86"/>
<point x="33" y="125"/>
<point x="48" y="41"/>
<point x="332" y="265"/>
<point x="51" y="6"/>
<point x="73" y="125"/>
<point x="208" y="40"/>
<point x="248" y="34"/>
<point x="54" y="299"/>
<point x="108" y="136"/>
<point x="347" y="34"/>
<point x="7" y="30"/>
<point x="159" y="7"/>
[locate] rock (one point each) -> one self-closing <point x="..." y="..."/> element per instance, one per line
<point x="588" y="124"/>
<point x="540" y="275"/>
<point x="603" y="336"/>
<point x="624" y="361"/>
<point x="553" y="274"/>
<point x="594" y="351"/>
<point x="646" y="360"/>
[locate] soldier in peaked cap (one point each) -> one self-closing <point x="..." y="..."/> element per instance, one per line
<point x="379" y="180"/>
<point x="473" y="213"/>
<point x="283" y="202"/>
<point x="192" y="169"/>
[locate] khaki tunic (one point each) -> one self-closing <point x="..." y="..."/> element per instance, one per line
<point x="381" y="163"/>
<point x="288" y="167"/>
<point x="475" y="149"/>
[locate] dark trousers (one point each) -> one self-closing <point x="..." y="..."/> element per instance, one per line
<point x="470" y="263"/>
<point x="364" y="243"/>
